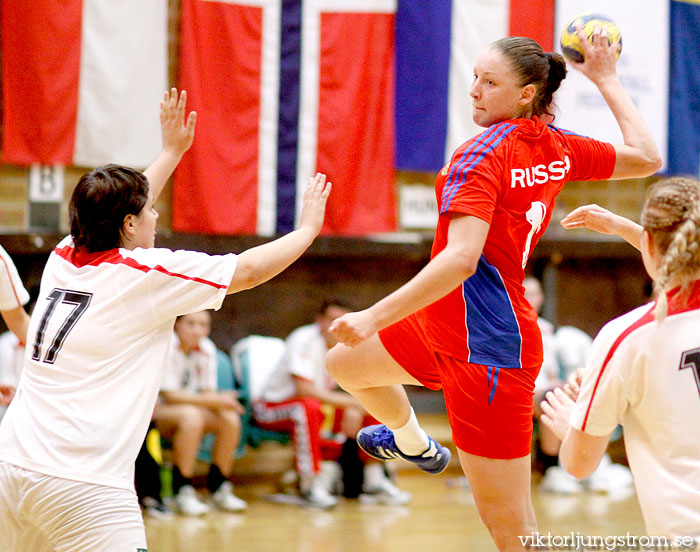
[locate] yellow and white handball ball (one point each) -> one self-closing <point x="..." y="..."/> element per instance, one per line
<point x="571" y="47"/>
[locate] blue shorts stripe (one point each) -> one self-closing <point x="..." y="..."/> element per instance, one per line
<point x="496" y="370"/>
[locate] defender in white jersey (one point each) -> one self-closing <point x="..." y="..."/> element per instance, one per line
<point x="96" y="351"/>
<point x="644" y="370"/>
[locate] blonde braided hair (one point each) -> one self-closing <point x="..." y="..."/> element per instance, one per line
<point x="671" y="216"/>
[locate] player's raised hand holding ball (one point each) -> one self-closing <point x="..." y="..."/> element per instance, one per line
<point x="592" y="44"/>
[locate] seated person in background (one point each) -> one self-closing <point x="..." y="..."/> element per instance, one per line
<point x="191" y="407"/>
<point x="292" y="400"/>
<point x="13" y="297"/>
<point x="554" y="479"/>
<point x="565" y="350"/>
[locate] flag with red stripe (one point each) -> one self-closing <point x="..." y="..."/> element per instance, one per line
<point x="286" y="89"/>
<point x="82" y="80"/>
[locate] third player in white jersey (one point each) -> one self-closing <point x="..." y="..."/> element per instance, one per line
<point x="647" y="378"/>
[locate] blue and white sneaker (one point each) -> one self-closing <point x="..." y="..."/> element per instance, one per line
<point x="378" y="442"/>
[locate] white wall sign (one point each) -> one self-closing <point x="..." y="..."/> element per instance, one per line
<point x="417" y="206"/>
<point x="46" y="183"/>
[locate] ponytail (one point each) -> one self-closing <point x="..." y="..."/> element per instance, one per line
<point x="671" y="216"/>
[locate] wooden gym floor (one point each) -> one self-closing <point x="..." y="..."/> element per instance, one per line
<point x="441" y="516"/>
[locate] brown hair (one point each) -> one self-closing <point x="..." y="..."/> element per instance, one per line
<point x="671" y="216"/>
<point x="533" y="65"/>
<point x="101" y="201"/>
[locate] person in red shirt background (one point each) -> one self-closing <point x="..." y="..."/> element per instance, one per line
<point x="462" y="323"/>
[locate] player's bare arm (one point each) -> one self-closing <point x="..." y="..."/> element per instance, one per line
<point x="177" y="132"/>
<point x="17" y="321"/>
<point x="638" y="156"/>
<point x="445" y="272"/>
<point x="580" y="453"/>
<point x="572" y="387"/>
<point x="601" y="220"/>
<point x="259" y="264"/>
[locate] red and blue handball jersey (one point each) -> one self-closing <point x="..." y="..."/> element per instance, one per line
<point x="507" y="176"/>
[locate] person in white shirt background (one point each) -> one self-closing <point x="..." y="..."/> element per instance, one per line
<point x="299" y="383"/>
<point x="190" y="407"/>
<point x="98" y="342"/>
<point x="565" y="350"/>
<point x="644" y="370"/>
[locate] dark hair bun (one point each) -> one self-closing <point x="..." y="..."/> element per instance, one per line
<point x="557" y="72"/>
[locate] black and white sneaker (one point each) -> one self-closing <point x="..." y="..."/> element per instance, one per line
<point x="155" y="509"/>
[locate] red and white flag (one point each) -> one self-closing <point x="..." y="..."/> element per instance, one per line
<point x="82" y="80"/>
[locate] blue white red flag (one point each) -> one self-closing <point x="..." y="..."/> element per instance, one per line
<point x="684" y="89"/>
<point x="286" y="89"/>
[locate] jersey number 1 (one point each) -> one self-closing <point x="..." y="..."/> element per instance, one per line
<point x="80" y="301"/>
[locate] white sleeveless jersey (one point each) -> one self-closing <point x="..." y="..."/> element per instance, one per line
<point x="96" y="350"/>
<point x="12" y="292"/>
<point x="646" y="377"/>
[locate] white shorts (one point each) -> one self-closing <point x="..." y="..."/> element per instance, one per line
<point x="41" y="513"/>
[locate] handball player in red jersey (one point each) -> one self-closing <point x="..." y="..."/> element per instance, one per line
<point x="462" y="324"/>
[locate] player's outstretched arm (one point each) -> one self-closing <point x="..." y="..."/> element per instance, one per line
<point x="259" y="264"/>
<point x="601" y="220"/>
<point x="580" y="452"/>
<point x="177" y="134"/>
<point x="638" y="156"/>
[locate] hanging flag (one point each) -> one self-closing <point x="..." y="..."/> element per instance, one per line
<point x="229" y="65"/>
<point x="82" y="80"/>
<point x="684" y="107"/>
<point x="437" y="44"/>
<point x="283" y="90"/>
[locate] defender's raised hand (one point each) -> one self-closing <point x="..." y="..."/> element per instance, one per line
<point x="313" y="210"/>
<point x="177" y="130"/>
<point x="601" y="220"/>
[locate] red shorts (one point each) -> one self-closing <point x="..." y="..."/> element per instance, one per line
<point x="490" y="408"/>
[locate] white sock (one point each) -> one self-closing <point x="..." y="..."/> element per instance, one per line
<point x="410" y="438"/>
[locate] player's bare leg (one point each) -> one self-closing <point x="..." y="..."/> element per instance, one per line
<point x="374" y="378"/>
<point x="501" y="490"/>
<point x="186" y="425"/>
<point x="226" y="425"/>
